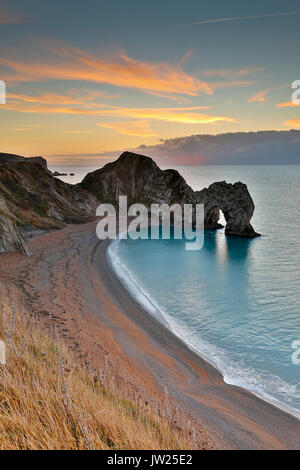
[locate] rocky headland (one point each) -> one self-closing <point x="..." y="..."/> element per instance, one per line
<point x="32" y="198"/>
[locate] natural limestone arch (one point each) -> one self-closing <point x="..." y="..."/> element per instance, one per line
<point x="25" y="182"/>
<point x="139" y="178"/>
<point x="236" y="204"/>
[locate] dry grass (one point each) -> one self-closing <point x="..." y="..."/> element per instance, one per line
<point x="49" y="401"/>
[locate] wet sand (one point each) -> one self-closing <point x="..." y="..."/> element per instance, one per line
<point x="68" y="280"/>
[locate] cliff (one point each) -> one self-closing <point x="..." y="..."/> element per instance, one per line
<point x="11" y="158"/>
<point x="143" y="181"/>
<point x="31" y="198"/>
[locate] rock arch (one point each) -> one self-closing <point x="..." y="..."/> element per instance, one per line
<point x="139" y="178"/>
<point x="236" y="204"/>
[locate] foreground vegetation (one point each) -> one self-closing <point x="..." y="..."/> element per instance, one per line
<point x="48" y="400"/>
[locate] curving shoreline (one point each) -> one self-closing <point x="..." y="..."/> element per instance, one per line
<point x="245" y="420"/>
<point x="148" y="304"/>
<point x="69" y="276"/>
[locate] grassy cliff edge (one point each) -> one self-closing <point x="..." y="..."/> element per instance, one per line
<point x="48" y="400"/>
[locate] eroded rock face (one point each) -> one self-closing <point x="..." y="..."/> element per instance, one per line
<point x="142" y="181"/>
<point x="11" y="158"/>
<point x="35" y="199"/>
<point x="236" y="204"/>
<point x="31" y="197"/>
<point x="10" y="238"/>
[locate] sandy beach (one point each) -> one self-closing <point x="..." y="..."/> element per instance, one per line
<point x="68" y="280"/>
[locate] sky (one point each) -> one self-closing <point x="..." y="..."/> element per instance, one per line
<point x="87" y="80"/>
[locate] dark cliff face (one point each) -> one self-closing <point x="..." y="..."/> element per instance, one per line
<point x="139" y="178"/>
<point x="236" y="204"/>
<point x="30" y="197"/>
<point x="10" y="158"/>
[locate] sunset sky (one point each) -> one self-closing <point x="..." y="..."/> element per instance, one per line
<point x="86" y="80"/>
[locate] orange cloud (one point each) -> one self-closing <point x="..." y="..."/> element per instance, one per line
<point x="54" y="103"/>
<point x="293" y="123"/>
<point x="120" y="70"/>
<point x="261" y="96"/>
<point x="134" y="128"/>
<point x="184" y="115"/>
<point x="72" y="97"/>
<point x="78" y="97"/>
<point x="258" y="97"/>
<point x="36" y="108"/>
<point x="287" y="104"/>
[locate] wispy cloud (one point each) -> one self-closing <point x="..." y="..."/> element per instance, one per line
<point x="260" y="97"/>
<point x="187" y="115"/>
<point x="240" y="18"/>
<point x="287" y="104"/>
<point x="133" y="128"/>
<point x="230" y="73"/>
<point x="293" y="123"/>
<point x="187" y="56"/>
<point x="169" y="96"/>
<point x="78" y="102"/>
<point x="118" y="70"/>
<point x="69" y="102"/>
<point x="183" y="115"/>
<point x="71" y="97"/>
<point x="89" y="109"/>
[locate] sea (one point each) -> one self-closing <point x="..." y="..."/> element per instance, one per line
<point x="236" y="302"/>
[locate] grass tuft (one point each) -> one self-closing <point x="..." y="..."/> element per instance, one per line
<point x="48" y="400"/>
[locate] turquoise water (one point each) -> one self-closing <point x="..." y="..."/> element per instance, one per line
<point x="236" y="301"/>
